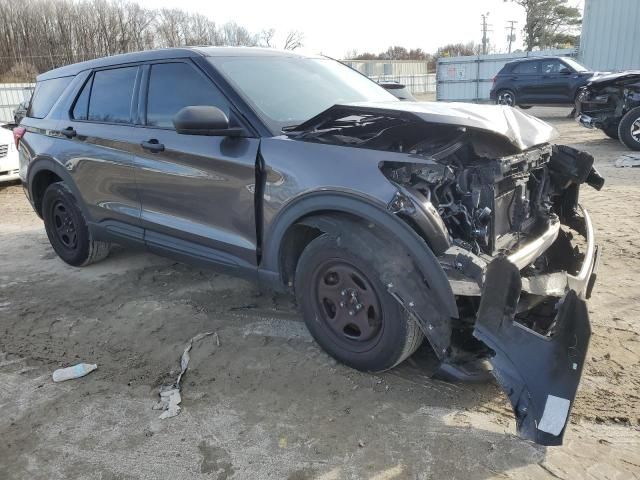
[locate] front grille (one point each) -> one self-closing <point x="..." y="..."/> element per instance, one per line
<point x="3" y="150"/>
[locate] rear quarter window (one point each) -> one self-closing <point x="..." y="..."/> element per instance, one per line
<point x="47" y="92"/>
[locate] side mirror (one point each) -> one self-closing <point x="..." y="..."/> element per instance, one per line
<point x="204" y="120"/>
<point x="565" y="71"/>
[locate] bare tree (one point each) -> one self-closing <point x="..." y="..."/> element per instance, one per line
<point x="37" y="35"/>
<point x="294" y="40"/>
<point x="266" y="37"/>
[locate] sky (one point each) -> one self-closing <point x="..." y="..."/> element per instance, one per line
<point x="334" y="27"/>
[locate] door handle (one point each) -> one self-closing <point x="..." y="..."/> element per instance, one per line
<point x="69" y="132"/>
<point x="153" y="145"/>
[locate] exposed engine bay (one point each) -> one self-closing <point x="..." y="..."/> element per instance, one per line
<point x="490" y="195"/>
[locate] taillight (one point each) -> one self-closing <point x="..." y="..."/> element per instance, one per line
<point x="18" y="133"/>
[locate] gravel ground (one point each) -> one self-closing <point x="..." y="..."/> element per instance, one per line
<point x="266" y="402"/>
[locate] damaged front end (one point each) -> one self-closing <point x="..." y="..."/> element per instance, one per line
<point x="498" y="206"/>
<point x="606" y="99"/>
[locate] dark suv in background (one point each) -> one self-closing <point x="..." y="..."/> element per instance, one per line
<point x="391" y="221"/>
<point x="539" y="81"/>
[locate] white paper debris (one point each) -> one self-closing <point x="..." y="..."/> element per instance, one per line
<point x="628" y="160"/>
<point x="170" y="394"/>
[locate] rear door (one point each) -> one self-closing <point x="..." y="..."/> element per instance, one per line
<point x="98" y="149"/>
<point x="525" y="77"/>
<point x="196" y="192"/>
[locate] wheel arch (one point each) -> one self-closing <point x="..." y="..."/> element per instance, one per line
<point x="42" y="172"/>
<point x="316" y="213"/>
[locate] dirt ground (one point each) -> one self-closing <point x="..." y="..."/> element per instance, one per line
<point x="267" y="402"/>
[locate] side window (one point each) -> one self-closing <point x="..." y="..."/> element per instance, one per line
<point x="552" y="66"/>
<point x="111" y="95"/>
<point x="46" y="94"/>
<point x="526" y="67"/>
<point x="173" y="86"/>
<point x="81" y="107"/>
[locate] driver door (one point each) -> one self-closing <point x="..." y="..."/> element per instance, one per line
<point x="554" y="84"/>
<point x="196" y="192"/>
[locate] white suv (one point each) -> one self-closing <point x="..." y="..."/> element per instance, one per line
<point x="8" y="156"/>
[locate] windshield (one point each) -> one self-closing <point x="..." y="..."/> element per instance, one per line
<point x="286" y="91"/>
<point x="575" y="65"/>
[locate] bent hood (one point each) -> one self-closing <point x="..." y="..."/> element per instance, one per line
<point x="521" y="130"/>
<point x="611" y="78"/>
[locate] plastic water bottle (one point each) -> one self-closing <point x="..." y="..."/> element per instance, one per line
<point x="76" y="371"/>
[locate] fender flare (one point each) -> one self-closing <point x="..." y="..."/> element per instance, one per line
<point x="368" y="210"/>
<point x="45" y="162"/>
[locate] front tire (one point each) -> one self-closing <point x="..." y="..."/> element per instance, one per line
<point x="629" y="129"/>
<point x="347" y="308"/>
<point x="67" y="228"/>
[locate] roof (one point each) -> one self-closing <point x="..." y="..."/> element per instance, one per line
<point x="164" y="54"/>
<point x="532" y="58"/>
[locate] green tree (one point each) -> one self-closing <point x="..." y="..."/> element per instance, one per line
<point x="550" y="23"/>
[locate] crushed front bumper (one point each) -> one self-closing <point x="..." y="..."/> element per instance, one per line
<point x="539" y="373"/>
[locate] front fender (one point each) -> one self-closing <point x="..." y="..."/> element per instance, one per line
<point x="321" y="203"/>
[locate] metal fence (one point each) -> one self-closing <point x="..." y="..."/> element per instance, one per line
<point x="415" y="75"/>
<point x="11" y="94"/>
<point x="469" y="79"/>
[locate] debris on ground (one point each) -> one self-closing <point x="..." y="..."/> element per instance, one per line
<point x="170" y="394"/>
<point x="628" y="160"/>
<point x="77" y="371"/>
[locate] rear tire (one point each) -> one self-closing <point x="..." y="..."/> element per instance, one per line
<point x="629" y="129"/>
<point x="68" y="230"/>
<point x="506" y="97"/>
<point x="333" y="278"/>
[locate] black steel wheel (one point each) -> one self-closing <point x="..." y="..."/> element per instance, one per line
<point x="67" y="228"/>
<point x="64" y="225"/>
<point x="347" y="304"/>
<point x="348" y="309"/>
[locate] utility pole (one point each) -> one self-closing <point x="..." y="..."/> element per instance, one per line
<point x="485" y="40"/>
<point x="512" y="36"/>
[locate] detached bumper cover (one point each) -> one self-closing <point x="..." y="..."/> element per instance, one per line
<point x="540" y="374"/>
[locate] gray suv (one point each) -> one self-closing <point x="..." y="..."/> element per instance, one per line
<point x="390" y="221"/>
